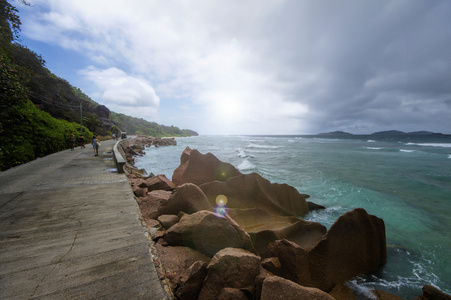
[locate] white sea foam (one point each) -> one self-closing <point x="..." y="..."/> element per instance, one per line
<point x="246" y="165"/>
<point x="373" y="148"/>
<point x="404" y="150"/>
<point x="449" y="156"/>
<point x="445" y="145"/>
<point x="361" y="289"/>
<point x="241" y="153"/>
<point x="258" y="146"/>
<point x="371" y="141"/>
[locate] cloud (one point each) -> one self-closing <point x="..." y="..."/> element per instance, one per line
<point x="271" y="66"/>
<point x="122" y="91"/>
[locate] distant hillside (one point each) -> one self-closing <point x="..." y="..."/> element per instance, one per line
<point x="335" y="133"/>
<point x="389" y="132"/>
<point x="398" y="133"/>
<point x="60" y="99"/>
<point x="40" y="111"/>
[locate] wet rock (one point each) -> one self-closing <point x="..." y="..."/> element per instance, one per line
<point x="207" y="233"/>
<point x="200" y="168"/>
<point x="382" y="295"/>
<point x="342" y="292"/>
<point x="278" y="288"/>
<point x="230" y="268"/>
<point x="432" y="293"/>
<point x="188" y="198"/>
<point x="314" y="206"/>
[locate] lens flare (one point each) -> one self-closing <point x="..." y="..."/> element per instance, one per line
<point x="221" y="211"/>
<point x="221" y="200"/>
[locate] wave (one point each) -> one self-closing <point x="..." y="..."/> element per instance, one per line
<point x="258" y="146"/>
<point x="445" y="145"/>
<point x="246" y="165"/>
<point x="404" y="150"/>
<point x="371" y="141"/>
<point x="373" y="148"/>
<point x="449" y="156"/>
<point x="241" y="153"/>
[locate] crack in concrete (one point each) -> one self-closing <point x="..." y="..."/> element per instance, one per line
<point x="59" y="260"/>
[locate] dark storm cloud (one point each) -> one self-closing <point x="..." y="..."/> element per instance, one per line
<point x="365" y="65"/>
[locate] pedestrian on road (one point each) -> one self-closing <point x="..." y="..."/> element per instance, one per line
<point x="95" y="144"/>
<point x="81" y="140"/>
<point x="72" y="142"/>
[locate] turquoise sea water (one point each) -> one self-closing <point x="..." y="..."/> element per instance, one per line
<point x="405" y="182"/>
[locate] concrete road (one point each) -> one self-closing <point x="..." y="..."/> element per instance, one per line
<point x="70" y="229"/>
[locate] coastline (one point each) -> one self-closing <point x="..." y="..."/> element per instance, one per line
<point x="138" y="198"/>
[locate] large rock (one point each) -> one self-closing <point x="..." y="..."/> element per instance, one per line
<point x="278" y="288"/>
<point x="151" y="203"/>
<point x="433" y="293"/>
<point x="342" y="292"/>
<point x="168" y="220"/>
<point x="200" y="168"/>
<point x="265" y="228"/>
<point x="103" y="112"/>
<point x="187" y="198"/>
<point x="254" y="191"/>
<point x="232" y="294"/>
<point x="159" y="182"/>
<point x="230" y="268"/>
<point x="207" y="233"/>
<point x="354" y="245"/>
<point x="180" y="264"/>
<point x="191" y="282"/>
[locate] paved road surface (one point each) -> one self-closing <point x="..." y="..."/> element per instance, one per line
<point x="70" y="229"/>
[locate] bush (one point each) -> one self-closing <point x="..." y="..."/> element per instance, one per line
<point x="30" y="133"/>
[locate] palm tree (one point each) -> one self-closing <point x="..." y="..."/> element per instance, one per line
<point x="92" y="121"/>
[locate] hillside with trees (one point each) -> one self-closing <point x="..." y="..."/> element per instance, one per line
<point x="39" y="111"/>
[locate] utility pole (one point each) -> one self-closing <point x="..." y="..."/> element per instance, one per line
<point x="81" y="118"/>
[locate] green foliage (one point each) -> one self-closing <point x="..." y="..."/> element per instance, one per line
<point x="25" y="131"/>
<point x="39" y="111"/>
<point x="134" y="125"/>
<point x="9" y="22"/>
<point x="92" y="121"/>
<point x="30" y="133"/>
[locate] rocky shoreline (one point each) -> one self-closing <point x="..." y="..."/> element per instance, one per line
<point x="221" y="234"/>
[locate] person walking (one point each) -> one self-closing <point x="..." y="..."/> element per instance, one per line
<point x="95" y="144"/>
<point x="114" y="136"/>
<point x="81" y="140"/>
<point x="72" y="142"/>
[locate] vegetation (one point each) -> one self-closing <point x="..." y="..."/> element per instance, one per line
<point x="39" y="111"/>
<point x="140" y="126"/>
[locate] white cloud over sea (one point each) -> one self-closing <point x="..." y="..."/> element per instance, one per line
<point x="257" y="67"/>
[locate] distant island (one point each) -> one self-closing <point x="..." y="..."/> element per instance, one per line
<point x="335" y="133"/>
<point x="390" y="135"/>
<point x="381" y="133"/>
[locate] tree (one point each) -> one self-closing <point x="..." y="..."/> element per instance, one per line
<point x="92" y="122"/>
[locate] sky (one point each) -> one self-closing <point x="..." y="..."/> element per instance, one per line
<point x="254" y="66"/>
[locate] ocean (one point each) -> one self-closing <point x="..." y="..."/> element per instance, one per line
<point x="404" y="181"/>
